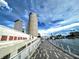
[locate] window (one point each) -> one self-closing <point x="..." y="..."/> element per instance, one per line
<point x="3" y="38"/>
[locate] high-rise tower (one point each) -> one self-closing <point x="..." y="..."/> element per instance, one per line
<point x="18" y="25"/>
<point x="33" y="24"/>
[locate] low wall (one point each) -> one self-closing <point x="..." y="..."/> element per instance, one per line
<point x="27" y="52"/>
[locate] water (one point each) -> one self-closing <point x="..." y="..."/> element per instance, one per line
<point x="70" y="45"/>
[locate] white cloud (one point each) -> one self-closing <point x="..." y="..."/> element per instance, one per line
<point x="3" y="3"/>
<point x="70" y="20"/>
<point x="25" y="15"/>
<point x="52" y="30"/>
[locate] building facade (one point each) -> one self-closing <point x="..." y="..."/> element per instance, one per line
<point x="33" y="24"/>
<point x="18" y="25"/>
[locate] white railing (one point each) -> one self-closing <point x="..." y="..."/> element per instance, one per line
<point x="28" y="51"/>
<point x="67" y="48"/>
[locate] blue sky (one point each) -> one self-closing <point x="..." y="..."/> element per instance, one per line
<point x="52" y="14"/>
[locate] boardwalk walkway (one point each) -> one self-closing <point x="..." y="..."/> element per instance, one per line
<point x="48" y="51"/>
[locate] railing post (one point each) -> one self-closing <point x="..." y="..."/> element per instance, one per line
<point x="19" y="56"/>
<point x="69" y="50"/>
<point x="62" y="46"/>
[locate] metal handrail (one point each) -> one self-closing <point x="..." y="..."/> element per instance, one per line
<point x="68" y="49"/>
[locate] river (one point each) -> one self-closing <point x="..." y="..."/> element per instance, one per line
<point x="70" y="45"/>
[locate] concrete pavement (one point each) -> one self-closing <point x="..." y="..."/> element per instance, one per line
<point x="48" y="51"/>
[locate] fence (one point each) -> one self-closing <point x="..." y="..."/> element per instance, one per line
<point x="28" y="51"/>
<point x="69" y="48"/>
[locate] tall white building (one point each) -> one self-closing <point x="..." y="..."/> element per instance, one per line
<point x="33" y="24"/>
<point x="18" y="25"/>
